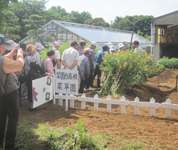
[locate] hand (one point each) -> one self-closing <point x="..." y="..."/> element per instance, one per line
<point x="14" y="51"/>
<point x="48" y="74"/>
<point x="67" y="68"/>
<point x="87" y="76"/>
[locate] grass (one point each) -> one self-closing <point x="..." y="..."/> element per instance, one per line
<point x="45" y="137"/>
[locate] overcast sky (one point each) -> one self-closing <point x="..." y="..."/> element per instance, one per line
<point x="109" y="9"/>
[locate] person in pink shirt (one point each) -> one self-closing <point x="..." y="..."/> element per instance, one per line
<point x="82" y="45"/>
<point x="48" y="64"/>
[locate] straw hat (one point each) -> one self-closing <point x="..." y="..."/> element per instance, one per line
<point x="121" y="45"/>
<point x="30" y="49"/>
<point x="86" y="52"/>
<point x="12" y="45"/>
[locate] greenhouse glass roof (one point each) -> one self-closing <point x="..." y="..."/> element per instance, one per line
<point x="68" y="31"/>
<point x="100" y="34"/>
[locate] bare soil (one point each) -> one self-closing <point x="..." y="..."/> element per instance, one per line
<point x="158" y="130"/>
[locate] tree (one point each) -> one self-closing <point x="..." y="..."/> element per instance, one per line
<point x="25" y="8"/>
<point x="77" y="17"/>
<point x="97" y="22"/>
<point x="58" y="13"/>
<point x="34" y="24"/>
<point x="3" y="5"/>
<point x="11" y="26"/>
<point x="134" y="23"/>
<point x="55" y="13"/>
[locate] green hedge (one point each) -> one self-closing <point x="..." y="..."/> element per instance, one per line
<point x="169" y="63"/>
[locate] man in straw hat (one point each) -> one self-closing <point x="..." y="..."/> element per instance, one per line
<point x="121" y="46"/>
<point x="9" y="100"/>
<point x="83" y="68"/>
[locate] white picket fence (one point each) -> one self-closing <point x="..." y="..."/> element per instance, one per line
<point x="123" y="103"/>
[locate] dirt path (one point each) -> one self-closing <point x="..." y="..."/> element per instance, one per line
<point x="157" y="130"/>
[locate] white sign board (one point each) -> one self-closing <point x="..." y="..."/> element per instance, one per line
<point x="66" y="81"/>
<point x="42" y="91"/>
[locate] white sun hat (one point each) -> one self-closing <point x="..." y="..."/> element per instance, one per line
<point x="121" y="45"/>
<point x="94" y="43"/>
<point x="112" y="48"/>
<point x="39" y="46"/>
<point x="12" y="45"/>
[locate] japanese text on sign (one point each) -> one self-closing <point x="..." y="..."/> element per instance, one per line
<point x="66" y="81"/>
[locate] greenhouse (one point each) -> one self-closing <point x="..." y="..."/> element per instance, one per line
<point x="66" y="31"/>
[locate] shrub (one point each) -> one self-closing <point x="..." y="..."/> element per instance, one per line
<point x="124" y="69"/>
<point x="170" y="63"/>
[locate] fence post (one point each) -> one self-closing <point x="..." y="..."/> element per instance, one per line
<point x="96" y="103"/>
<point x="136" y="107"/>
<point x="60" y="100"/>
<point x="83" y="103"/>
<point x="109" y="104"/>
<point x="123" y="107"/>
<point x="168" y="110"/>
<point x="53" y="87"/>
<point x="152" y="109"/>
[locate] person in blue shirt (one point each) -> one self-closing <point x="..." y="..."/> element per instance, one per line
<point x="98" y="60"/>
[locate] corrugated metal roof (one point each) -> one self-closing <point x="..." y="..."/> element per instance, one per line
<point x="168" y="19"/>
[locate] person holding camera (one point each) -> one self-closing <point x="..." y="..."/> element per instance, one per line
<point x="9" y="97"/>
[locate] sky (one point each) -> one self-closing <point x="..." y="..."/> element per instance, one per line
<point x="109" y="9"/>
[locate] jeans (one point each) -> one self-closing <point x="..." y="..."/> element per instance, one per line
<point x="9" y="109"/>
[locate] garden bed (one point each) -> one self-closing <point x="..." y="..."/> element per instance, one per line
<point x="158" y="131"/>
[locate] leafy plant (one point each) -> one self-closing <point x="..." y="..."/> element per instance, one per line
<point x="124" y="69"/>
<point x="170" y="63"/>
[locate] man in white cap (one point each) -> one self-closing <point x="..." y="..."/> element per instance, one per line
<point x="112" y="49"/>
<point x="38" y="51"/>
<point x="56" y="47"/>
<point x="121" y="46"/>
<point x="89" y="81"/>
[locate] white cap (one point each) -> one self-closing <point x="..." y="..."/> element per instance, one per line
<point x="12" y="45"/>
<point x="112" y="48"/>
<point x="121" y="45"/>
<point x="94" y="43"/>
<point x="39" y="46"/>
<point x="109" y="44"/>
<point x="56" y="43"/>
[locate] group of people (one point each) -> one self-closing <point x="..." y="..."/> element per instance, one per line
<point x="20" y="65"/>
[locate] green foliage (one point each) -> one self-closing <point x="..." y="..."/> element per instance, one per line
<point x="4" y="4"/>
<point x="148" y="49"/>
<point x="11" y="26"/>
<point x="97" y="22"/>
<point x="34" y="23"/>
<point x="169" y="63"/>
<point x="126" y="68"/>
<point x="24" y="9"/>
<point x="134" y="23"/>
<point x="140" y="33"/>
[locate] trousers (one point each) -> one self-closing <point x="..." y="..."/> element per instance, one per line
<point x="89" y="81"/>
<point x="81" y="89"/>
<point x="9" y="109"/>
<point x="98" y="73"/>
